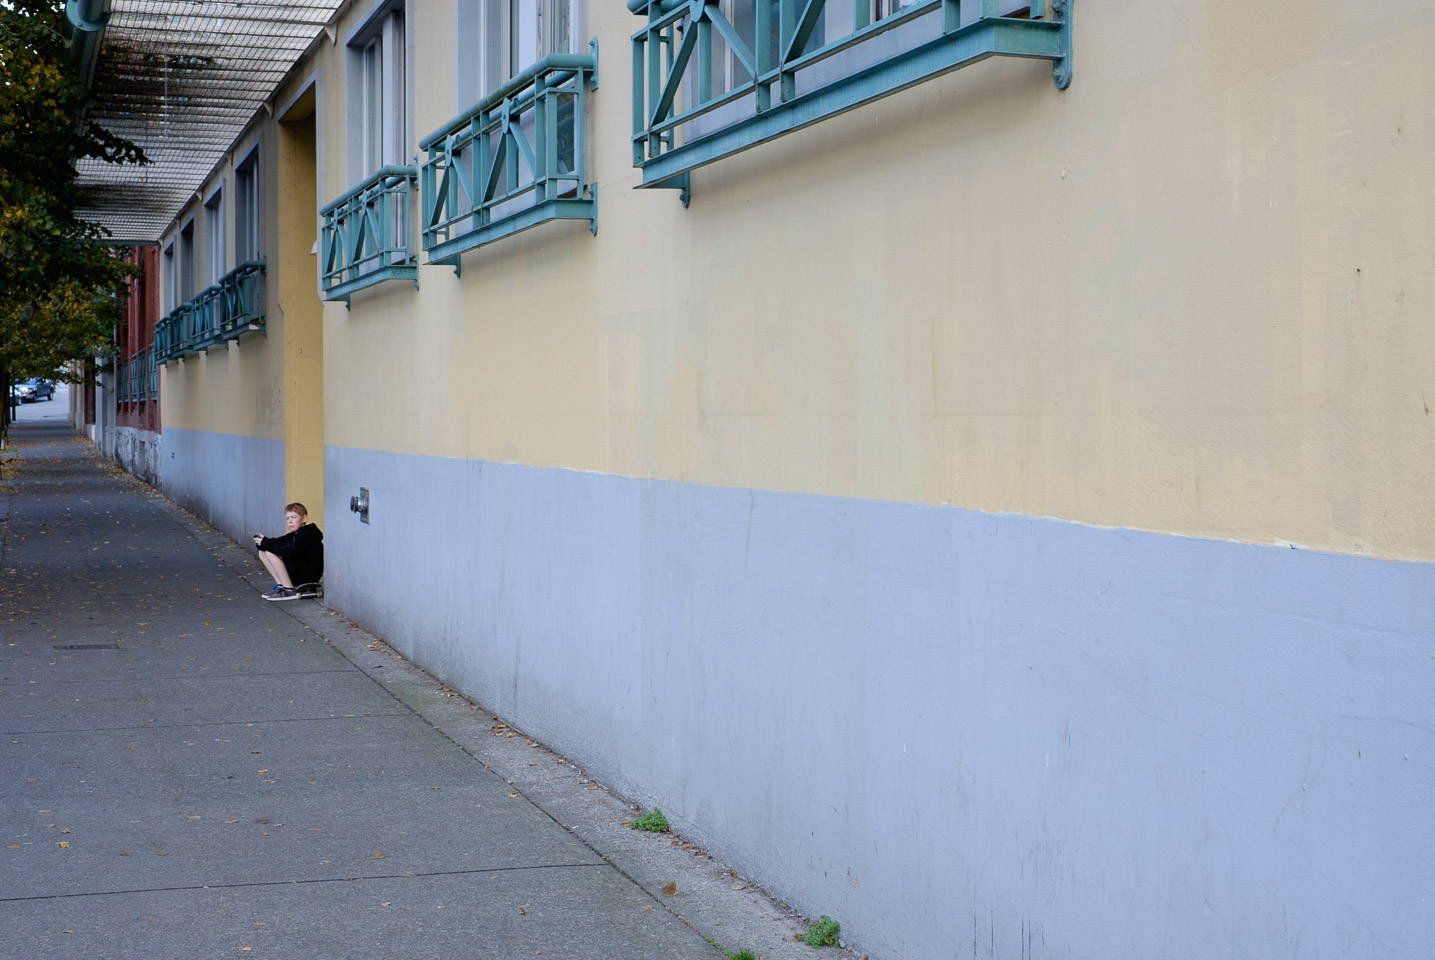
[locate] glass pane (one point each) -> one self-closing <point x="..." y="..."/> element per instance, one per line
<point x="559" y="27"/>
<point x="373" y="68"/>
<point x="523" y="21"/>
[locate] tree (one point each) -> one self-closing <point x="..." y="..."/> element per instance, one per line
<point x="60" y="285"/>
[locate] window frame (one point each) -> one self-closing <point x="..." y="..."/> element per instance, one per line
<point x="215" y="252"/>
<point x="186" y="264"/>
<point x="378" y="84"/>
<point x="488" y="26"/>
<point x="248" y="207"/>
<point x="169" y="265"/>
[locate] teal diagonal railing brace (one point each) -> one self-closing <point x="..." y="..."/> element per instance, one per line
<point x="681" y="123"/>
<point x="232" y="306"/>
<point x="367" y="237"/>
<point x="515" y="159"/>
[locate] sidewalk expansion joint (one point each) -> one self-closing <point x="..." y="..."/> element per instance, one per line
<point x="218" y="723"/>
<point x="313" y="880"/>
<point x="198" y="676"/>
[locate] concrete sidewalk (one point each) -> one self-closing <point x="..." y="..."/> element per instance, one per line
<point x="191" y="772"/>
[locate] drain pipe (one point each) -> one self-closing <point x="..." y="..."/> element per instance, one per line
<point x="86" y="20"/>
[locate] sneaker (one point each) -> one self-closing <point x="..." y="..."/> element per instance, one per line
<point x="274" y="591"/>
<point x="282" y="593"/>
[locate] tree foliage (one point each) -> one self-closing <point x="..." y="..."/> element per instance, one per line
<point x="61" y="288"/>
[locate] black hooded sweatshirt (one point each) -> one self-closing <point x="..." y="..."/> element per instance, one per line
<point x="302" y="552"/>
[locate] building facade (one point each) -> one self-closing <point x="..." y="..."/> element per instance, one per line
<point x="986" y="505"/>
<point x="134" y="435"/>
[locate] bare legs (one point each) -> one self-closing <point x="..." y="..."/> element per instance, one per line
<point x="276" y="568"/>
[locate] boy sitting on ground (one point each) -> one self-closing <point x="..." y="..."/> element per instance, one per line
<point x="296" y="557"/>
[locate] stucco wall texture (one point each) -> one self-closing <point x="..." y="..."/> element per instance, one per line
<point x="962" y="734"/>
<point x="911" y="517"/>
<point x="1186" y="295"/>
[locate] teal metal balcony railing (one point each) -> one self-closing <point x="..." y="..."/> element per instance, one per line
<point x="705" y="88"/>
<point x="511" y="161"/>
<point x="164" y="340"/>
<point x="136" y="371"/>
<point x="136" y="378"/>
<point x="222" y="312"/>
<point x="366" y="237"/>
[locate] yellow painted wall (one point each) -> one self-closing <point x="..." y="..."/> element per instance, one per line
<point x="269" y="386"/>
<point x="295" y="270"/>
<point x="1190" y="294"/>
<point x="234" y="388"/>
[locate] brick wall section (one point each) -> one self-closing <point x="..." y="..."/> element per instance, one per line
<point x="136" y="333"/>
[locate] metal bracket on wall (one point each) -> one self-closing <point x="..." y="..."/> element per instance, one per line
<point x="681" y="183"/>
<point x="360" y="504"/>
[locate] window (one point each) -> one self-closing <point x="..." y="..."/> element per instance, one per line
<point x="509" y="35"/>
<point x="169" y="294"/>
<point x="186" y="273"/>
<point x="214" y="265"/>
<point x="247" y="235"/>
<point x="494" y="169"/>
<point x="539" y="27"/>
<point x="378" y="119"/>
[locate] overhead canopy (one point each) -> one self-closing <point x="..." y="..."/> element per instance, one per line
<point x="182" y="78"/>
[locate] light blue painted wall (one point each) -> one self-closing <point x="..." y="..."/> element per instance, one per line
<point x="960" y="734"/>
<point x="234" y="482"/>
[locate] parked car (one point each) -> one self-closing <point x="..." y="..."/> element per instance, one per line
<point x="33" y="391"/>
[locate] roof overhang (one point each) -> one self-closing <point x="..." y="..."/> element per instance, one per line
<point x="183" y="79"/>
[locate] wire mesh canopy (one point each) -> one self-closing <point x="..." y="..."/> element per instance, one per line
<point x="182" y="78"/>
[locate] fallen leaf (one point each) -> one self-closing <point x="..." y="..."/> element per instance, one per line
<point x="377" y="856"/>
<point x="523" y="909"/>
<point x="148" y="916"/>
<point x="63" y="844"/>
<point x="739" y="886"/>
<point x="650" y="908"/>
<point x="670" y="889"/>
<point x="514" y="794"/>
<point x="386" y="904"/>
